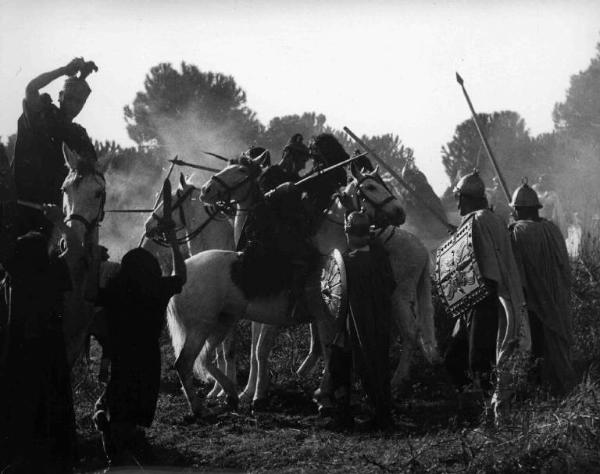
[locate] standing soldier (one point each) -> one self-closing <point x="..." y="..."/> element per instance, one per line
<point x="490" y="322"/>
<point x="39" y="165"/>
<point x="552" y="208"/>
<point x="543" y="261"/>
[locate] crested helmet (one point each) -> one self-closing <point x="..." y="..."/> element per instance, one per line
<point x="470" y="185"/>
<point x="525" y="196"/>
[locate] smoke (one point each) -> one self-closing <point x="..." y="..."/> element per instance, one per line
<point x="135" y="176"/>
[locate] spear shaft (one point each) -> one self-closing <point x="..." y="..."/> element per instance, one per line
<point x="177" y="162"/>
<point x="391" y="171"/>
<point x="486" y="145"/>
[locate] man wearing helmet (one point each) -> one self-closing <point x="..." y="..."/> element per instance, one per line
<point x="541" y="254"/>
<point x="39" y="165"/>
<point x="489" y="331"/>
<point x="293" y="159"/>
<point x="363" y="334"/>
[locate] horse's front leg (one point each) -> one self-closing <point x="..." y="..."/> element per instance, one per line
<point x="404" y="318"/>
<point x="265" y="344"/>
<point x="248" y="393"/>
<point x="310" y="362"/>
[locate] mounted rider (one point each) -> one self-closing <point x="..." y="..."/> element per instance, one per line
<point x="293" y="160"/>
<point x="541" y="254"/>
<point x="490" y="324"/>
<point x="39" y="165"/>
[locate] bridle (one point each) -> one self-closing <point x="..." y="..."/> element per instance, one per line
<point x="253" y="171"/>
<point x="379" y="218"/>
<point x="91" y="225"/>
<point x="212" y="212"/>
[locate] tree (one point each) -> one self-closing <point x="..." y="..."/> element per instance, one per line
<point x="579" y="114"/>
<point x="509" y="139"/>
<point x="281" y="129"/>
<point x="190" y="110"/>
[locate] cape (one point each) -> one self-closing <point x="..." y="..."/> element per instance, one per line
<point x="543" y="261"/>
<point x="496" y="261"/>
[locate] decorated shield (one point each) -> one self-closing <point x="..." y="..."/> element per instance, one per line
<point x="457" y="275"/>
<point x="334" y="285"/>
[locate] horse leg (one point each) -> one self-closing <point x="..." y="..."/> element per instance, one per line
<point x="213" y="370"/>
<point x="216" y="390"/>
<point x="405" y="318"/>
<point x="309" y="363"/>
<point x="185" y="369"/>
<point x="265" y="344"/>
<point x="229" y="358"/>
<point x="248" y="394"/>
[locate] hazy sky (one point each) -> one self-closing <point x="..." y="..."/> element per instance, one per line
<point x="375" y="66"/>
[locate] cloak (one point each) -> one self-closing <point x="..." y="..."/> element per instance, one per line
<point x="545" y="273"/>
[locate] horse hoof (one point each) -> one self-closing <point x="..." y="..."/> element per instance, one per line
<point x="260" y="404"/>
<point x="245" y="397"/>
<point x="232" y="402"/>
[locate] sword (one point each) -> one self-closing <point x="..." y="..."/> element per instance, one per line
<point x="177" y="162"/>
<point x="486" y="145"/>
<point x="391" y="171"/>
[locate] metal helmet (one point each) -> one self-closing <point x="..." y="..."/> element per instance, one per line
<point x="470" y="185"/>
<point x="357" y="224"/>
<point x="525" y="196"/>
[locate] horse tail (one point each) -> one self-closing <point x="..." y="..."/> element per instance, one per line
<point x="425" y="317"/>
<point x="200" y="369"/>
<point x="176" y="328"/>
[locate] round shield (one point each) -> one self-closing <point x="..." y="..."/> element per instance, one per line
<point x="334" y="286"/>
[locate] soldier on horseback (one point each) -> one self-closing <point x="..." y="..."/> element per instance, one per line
<point x="293" y="159"/>
<point x="39" y="165"/>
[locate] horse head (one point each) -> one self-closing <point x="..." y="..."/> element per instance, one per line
<point x="84" y="195"/>
<point x="182" y="208"/>
<point x="369" y="192"/>
<point x="235" y="183"/>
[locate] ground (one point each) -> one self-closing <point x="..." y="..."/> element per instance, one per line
<point x="436" y="429"/>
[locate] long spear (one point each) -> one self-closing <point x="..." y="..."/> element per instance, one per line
<point x="328" y="169"/>
<point x="214" y="155"/>
<point x="486" y="145"/>
<point x="391" y="171"/>
<point x="175" y="161"/>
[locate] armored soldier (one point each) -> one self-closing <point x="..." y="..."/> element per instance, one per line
<point x="541" y="254"/>
<point x="293" y="159"/>
<point x="39" y="165"/>
<point x="487" y="333"/>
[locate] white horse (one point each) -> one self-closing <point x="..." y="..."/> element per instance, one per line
<point x="211" y="302"/>
<point x="412" y="306"/>
<point x="201" y="227"/>
<point x="84" y="193"/>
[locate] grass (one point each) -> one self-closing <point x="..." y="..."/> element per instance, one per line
<point x="436" y="430"/>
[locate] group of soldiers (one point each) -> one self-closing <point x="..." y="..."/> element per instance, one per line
<point x="521" y="304"/>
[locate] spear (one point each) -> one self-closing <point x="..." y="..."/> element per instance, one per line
<point x="219" y="157"/>
<point x="177" y="162"/>
<point x="391" y="171"/>
<point x="486" y="145"/>
<point x="328" y="169"/>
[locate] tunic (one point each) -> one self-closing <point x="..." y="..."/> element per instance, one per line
<point x="39" y="165"/>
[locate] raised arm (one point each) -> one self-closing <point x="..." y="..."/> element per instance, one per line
<point x="32" y="90"/>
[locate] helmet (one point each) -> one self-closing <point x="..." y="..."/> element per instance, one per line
<point x="471" y="185"/>
<point x="296" y="147"/>
<point x="525" y="196"/>
<point x="358" y="224"/>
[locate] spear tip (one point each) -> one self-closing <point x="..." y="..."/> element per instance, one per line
<point x="459" y="79"/>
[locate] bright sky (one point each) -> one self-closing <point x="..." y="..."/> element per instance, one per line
<point x="376" y="66"/>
